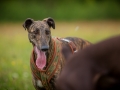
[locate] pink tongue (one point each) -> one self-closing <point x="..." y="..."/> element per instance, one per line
<point x="41" y="59"/>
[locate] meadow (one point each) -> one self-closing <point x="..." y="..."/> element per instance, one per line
<point x="15" y="48"/>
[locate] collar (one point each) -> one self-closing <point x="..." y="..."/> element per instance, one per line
<point x="71" y="44"/>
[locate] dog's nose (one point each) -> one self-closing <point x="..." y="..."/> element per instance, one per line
<point x="44" y="48"/>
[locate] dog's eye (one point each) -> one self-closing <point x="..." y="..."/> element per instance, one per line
<point x="47" y="32"/>
<point x="34" y="36"/>
<point x="36" y="31"/>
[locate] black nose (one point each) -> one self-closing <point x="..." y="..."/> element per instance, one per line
<point x="44" y="48"/>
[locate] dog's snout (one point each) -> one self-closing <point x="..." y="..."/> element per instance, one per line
<point x="44" y="48"/>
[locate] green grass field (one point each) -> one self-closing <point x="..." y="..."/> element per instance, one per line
<point x="15" y="48"/>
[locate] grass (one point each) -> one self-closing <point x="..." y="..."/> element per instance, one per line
<point x="15" y="48"/>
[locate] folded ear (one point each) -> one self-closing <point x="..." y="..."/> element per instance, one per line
<point x="50" y="22"/>
<point x="28" y="23"/>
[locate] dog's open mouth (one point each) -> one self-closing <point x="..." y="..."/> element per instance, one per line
<point x="41" y="59"/>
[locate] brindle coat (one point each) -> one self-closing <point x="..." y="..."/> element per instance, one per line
<point x="39" y="35"/>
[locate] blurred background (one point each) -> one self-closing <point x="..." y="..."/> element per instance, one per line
<point x="93" y="20"/>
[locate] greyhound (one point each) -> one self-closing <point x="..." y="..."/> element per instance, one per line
<point x="47" y="60"/>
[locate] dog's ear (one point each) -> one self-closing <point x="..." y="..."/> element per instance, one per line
<point x="50" y="22"/>
<point x="28" y="23"/>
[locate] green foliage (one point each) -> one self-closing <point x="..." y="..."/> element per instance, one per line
<point x="18" y="10"/>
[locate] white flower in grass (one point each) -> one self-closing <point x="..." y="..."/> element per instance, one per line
<point x="15" y="75"/>
<point x="25" y="75"/>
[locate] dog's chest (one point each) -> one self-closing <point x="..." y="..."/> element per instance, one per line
<point x="45" y="84"/>
<point x="46" y="78"/>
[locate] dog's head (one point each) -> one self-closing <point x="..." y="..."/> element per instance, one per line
<point x="39" y="35"/>
<point x="39" y="32"/>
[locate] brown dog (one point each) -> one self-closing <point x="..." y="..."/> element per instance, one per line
<point x="97" y="67"/>
<point x="47" y="60"/>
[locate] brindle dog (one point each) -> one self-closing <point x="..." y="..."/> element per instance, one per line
<point x="39" y="35"/>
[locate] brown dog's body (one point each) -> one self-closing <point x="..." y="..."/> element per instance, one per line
<point x="47" y="60"/>
<point x="97" y="67"/>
